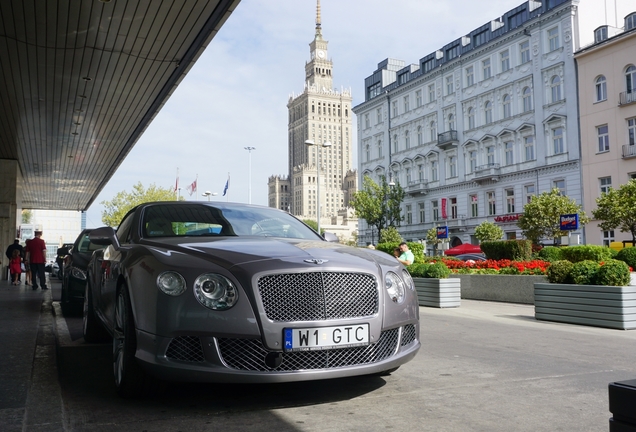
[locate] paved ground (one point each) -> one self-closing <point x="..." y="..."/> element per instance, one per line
<point x="483" y="367"/>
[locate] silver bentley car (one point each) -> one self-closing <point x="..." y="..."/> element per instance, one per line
<point x="223" y="292"/>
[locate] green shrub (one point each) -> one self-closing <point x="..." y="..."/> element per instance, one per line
<point x="585" y="252"/>
<point x="550" y="253"/>
<point x="613" y="253"/>
<point x="628" y="255"/>
<point x="584" y="272"/>
<point x="437" y="271"/>
<point x="418" y="270"/>
<point x="512" y="270"/>
<point x="613" y="273"/>
<point x="416" y="248"/>
<point x="559" y="272"/>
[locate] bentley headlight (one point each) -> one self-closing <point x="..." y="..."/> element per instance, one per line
<point x="408" y="280"/>
<point x="78" y="273"/>
<point x="215" y="291"/>
<point x="171" y="283"/>
<point x="395" y="287"/>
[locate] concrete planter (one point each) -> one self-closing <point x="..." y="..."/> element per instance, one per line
<point x="501" y="288"/>
<point x="441" y="293"/>
<point x="594" y="305"/>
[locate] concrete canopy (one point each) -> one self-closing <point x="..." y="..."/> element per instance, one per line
<point x="80" y="80"/>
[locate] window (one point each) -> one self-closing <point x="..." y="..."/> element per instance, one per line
<point x="379" y="149"/>
<point x="524" y="51"/>
<point x="603" y="138"/>
<point x="418" y="98"/>
<point x="420" y="172"/>
<point x="510" y="200"/>
<point x="394" y="107"/>
<point x="528" y="144"/>
<point x="435" y="210"/>
<point x="407" y="106"/>
<point x="510" y="157"/>
<point x="409" y="215"/>
<point x="557" y="141"/>
<point x="433" y="132"/>
<point x="504" y="57"/>
<point x="492" y="208"/>
<point x="419" y="136"/>
<point x="480" y="38"/>
<point x="366" y="121"/>
<point x="487" y="112"/>
<point x="553" y="39"/>
<point x="367" y="150"/>
<point x="507" y="112"/>
<point x="449" y="85"/>
<point x="630" y="78"/>
<point x="453" y="208"/>
<point x="452" y="165"/>
<point x="421" y="212"/>
<point x="490" y="155"/>
<point x="470" y="76"/>
<point x="600" y="34"/>
<point x="472" y="155"/>
<point x="485" y="67"/>
<point x="555" y="88"/>
<point x="605" y="183"/>
<point x="601" y="89"/>
<point x="378" y="116"/>
<point x="407" y="140"/>
<point x="630" y="21"/>
<point x="530" y="192"/>
<point x="452" y="52"/>
<point x="431" y="92"/>
<point x="608" y="237"/>
<point x="434" y="171"/>
<point x="451" y="122"/>
<point x="560" y="185"/>
<point x="429" y="65"/>
<point x="474" y="208"/>
<point x="395" y="144"/>
<point x="631" y="131"/>
<point x="527" y="99"/>
<point x="372" y="91"/>
<point x="471" y="118"/>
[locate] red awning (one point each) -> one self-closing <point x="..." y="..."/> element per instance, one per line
<point x="463" y="249"/>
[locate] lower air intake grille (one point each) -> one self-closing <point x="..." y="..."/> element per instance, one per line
<point x="185" y="348"/>
<point x="249" y="354"/>
<point x="408" y="335"/>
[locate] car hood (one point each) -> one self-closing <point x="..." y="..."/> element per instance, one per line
<point x="276" y="253"/>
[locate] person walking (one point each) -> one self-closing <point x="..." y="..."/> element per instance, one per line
<point x="13" y="247"/>
<point x="15" y="267"/>
<point x="36" y="258"/>
<point x="27" y="269"/>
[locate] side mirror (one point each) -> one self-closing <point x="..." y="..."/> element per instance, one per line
<point x="331" y="237"/>
<point x="104" y="236"/>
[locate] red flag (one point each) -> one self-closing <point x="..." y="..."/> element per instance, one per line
<point x="176" y="185"/>
<point x="444" y="215"/>
<point x="192" y="188"/>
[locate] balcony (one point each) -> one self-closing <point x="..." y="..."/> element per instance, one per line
<point x="417" y="187"/>
<point x="629" y="151"/>
<point x="447" y="140"/>
<point x="486" y="172"/>
<point x="626" y="98"/>
<point x="458" y="222"/>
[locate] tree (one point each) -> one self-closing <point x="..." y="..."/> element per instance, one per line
<point x="313" y="224"/>
<point x="391" y="235"/>
<point x="116" y="209"/>
<point x="431" y="238"/>
<point x="26" y="216"/>
<point x="378" y="204"/>
<point x="616" y="208"/>
<point x="541" y="216"/>
<point x="488" y="231"/>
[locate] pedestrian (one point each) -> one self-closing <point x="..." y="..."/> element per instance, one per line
<point x="397" y="252"/>
<point x="15" y="267"/>
<point x="406" y="256"/>
<point x="12" y="247"/>
<point x="27" y="269"/>
<point x="36" y="257"/>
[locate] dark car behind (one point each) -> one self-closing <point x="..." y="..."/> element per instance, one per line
<point x="74" y="273"/>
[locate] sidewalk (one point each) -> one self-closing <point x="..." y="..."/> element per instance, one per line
<point x="30" y="397"/>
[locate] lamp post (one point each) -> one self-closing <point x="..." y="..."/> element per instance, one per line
<point x="208" y="194"/>
<point x="325" y="144"/>
<point x="249" y="176"/>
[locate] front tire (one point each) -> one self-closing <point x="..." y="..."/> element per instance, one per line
<point x="129" y="376"/>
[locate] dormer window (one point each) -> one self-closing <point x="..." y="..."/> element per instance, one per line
<point x="630" y="21"/>
<point x="600" y="34"/>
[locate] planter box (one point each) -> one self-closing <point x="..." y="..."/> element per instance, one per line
<point x="501" y="288"/>
<point x="594" y="305"/>
<point x="441" y="293"/>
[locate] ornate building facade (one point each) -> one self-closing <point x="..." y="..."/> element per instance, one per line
<point x="322" y="115"/>
<point x="479" y="126"/>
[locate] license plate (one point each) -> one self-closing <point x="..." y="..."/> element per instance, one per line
<point x="326" y="338"/>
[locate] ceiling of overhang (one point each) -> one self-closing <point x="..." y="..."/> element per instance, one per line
<point x="80" y="80"/>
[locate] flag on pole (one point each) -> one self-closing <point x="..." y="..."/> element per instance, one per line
<point x="176" y="185"/>
<point x="227" y="185"/>
<point x="192" y="188"/>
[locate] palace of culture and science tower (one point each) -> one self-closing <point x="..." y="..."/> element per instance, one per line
<point x="322" y="115"/>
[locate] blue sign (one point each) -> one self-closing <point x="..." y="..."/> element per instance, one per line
<point x="569" y="222"/>
<point x="442" y="232"/>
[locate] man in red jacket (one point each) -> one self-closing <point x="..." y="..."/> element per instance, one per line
<point x="36" y="257"/>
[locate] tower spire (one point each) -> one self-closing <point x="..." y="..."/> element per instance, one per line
<point x="318" y="24"/>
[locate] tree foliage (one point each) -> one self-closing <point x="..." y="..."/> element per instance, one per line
<point x="27" y="215"/>
<point x="488" y="231"/>
<point x="616" y="208"/>
<point x="116" y="209"/>
<point x="391" y="235"/>
<point x="541" y="216"/>
<point x="378" y="204"/>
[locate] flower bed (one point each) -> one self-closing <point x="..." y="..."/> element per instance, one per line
<point x="504" y="266"/>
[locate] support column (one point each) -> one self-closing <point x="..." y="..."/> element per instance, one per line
<point x="10" y="205"/>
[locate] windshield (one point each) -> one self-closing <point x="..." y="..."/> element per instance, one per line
<point x="177" y="220"/>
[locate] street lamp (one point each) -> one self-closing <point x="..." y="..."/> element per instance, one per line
<point x="249" y="176"/>
<point x="208" y="194"/>
<point x="325" y="144"/>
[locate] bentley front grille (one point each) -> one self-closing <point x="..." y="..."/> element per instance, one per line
<point x="185" y="348"/>
<point x="318" y="296"/>
<point x="408" y="335"/>
<point x="249" y="354"/>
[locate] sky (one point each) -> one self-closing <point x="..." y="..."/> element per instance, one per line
<point x="236" y="95"/>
